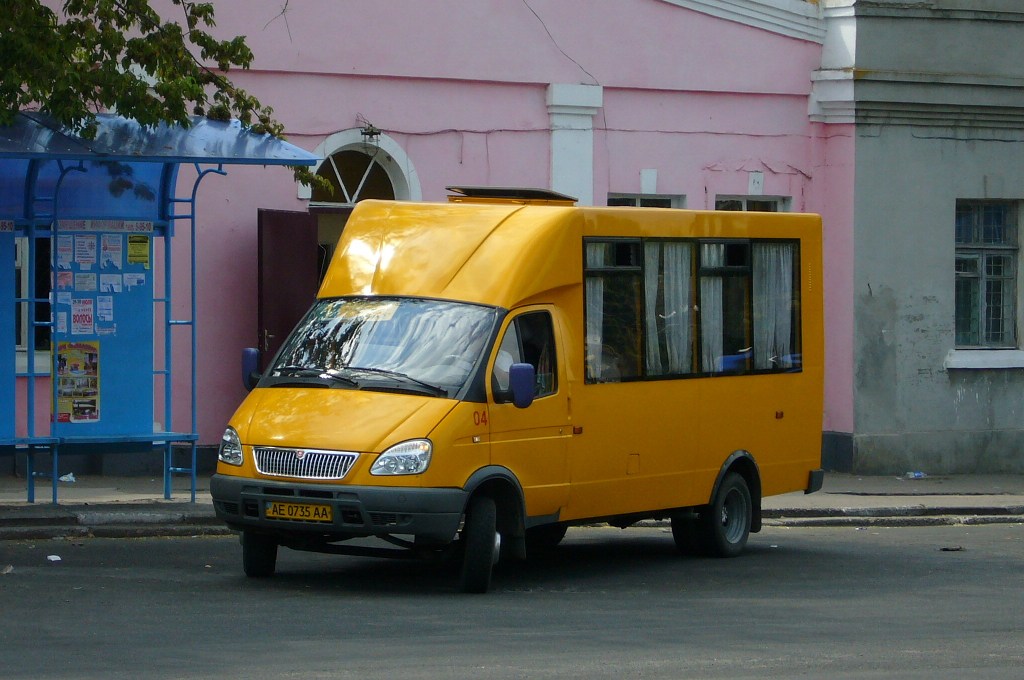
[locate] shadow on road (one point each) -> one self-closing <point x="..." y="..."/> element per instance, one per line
<point x="615" y="557"/>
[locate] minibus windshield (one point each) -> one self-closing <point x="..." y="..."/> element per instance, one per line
<point x="394" y="344"/>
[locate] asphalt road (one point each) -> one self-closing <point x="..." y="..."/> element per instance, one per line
<point x="927" y="602"/>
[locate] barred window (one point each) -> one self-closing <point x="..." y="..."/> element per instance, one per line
<point x="986" y="274"/>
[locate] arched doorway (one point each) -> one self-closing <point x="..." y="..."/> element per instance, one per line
<point x="358" y="166"/>
<point x="295" y="248"/>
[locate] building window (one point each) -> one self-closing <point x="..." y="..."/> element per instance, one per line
<point x="646" y="201"/>
<point x="25" y="336"/>
<point x="354" y="176"/>
<point x="986" y="274"/>
<point x="752" y="203"/>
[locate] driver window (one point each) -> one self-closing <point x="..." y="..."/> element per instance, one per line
<point x="508" y="354"/>
<point x="529" y="339"/>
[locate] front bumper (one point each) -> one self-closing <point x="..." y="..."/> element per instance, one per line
<point x="430" y="515"/>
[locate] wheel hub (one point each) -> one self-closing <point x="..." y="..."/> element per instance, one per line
<point x="497" y="549"/>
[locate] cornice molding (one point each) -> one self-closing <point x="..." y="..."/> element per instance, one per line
<point x="792" y="18"/>
<point x="832" y="99"/>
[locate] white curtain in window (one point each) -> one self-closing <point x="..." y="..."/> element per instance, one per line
<point x="678" y="338"/>
<point x="773" y="305"/>
<point x="711" y="314"/>
<point x="595" y="257"/>
<point x="652" y="270"/>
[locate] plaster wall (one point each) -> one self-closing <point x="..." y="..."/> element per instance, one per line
<point x="911" y="412"/>
<point x="940" y="110"/>
<point x="833" y="198"/>
<point x="696" y="103"/>
<point x="700" y="144"/>
<point x="650" y="44"/>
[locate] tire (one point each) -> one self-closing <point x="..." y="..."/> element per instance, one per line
<point x="482" y="545"/>
<point x="544" y="537"/>
<point x="725" y="524"/>
<point x="259" y="555"/>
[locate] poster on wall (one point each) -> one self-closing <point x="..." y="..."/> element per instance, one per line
<point x="78" y="382"/>
<point x="83" y="321"/>
<point x="138" y="250"/>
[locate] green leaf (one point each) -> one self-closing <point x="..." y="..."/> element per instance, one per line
<point x="96" y="55"/>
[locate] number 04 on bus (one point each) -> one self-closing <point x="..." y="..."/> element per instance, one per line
<point x="475" y="377"/>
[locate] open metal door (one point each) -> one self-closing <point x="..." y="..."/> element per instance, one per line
<point x="288" y="274"/>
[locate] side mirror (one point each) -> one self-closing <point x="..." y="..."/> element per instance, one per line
<point x="250" y="367"/>
<point x="521" y="378"/>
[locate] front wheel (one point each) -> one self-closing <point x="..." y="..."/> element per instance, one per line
<point x="259" y="554"/>
<point x="725" y="524"/>
<point x="482" y="545"/>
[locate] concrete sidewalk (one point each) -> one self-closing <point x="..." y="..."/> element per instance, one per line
<point x="134" y="506"/>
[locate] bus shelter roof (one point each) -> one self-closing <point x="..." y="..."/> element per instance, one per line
<point x="126" y="171"/>
<point x="36" y="135"/>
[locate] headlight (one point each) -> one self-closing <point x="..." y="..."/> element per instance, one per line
<point x="230" y="450"/>
<point x="408" y="458"/>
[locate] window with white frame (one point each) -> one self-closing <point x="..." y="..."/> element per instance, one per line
<point x="752" y="203"/>
<point x="986" y="274"/>
<point x="647" y="200"/>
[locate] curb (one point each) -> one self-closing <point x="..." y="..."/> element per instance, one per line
<point x="109" y="531"/>
<point x="115" y="521"/>
<point x="917" y="516"/>
<point x="32" y="523"/>
<point x="862" y="521"/>
<point x="895" y="511"/>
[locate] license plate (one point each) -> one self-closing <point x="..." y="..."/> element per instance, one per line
<point x="300" y="511"/>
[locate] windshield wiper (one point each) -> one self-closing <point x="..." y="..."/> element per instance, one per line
<point x="316" y="372"/>
<point x="434" y="389"/>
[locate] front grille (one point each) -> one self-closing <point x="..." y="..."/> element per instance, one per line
<point x="303" y="463"/>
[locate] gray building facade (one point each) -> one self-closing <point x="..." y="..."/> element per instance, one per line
<point x="938" y="105"/>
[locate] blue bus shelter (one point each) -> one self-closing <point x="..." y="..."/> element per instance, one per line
<point x="84" y="319"/>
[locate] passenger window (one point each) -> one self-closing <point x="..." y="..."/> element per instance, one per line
<point x="657" y="308"/>
<point x="726" y="345"/>
<point x="529" y="339"/>
<point x="614" y="295"/>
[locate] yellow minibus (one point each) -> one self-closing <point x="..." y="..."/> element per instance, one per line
<point x="476" y="376"/>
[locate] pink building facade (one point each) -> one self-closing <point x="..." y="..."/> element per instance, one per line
<point x="685" y="101"/>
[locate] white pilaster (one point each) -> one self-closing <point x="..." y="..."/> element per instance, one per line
<point x="571" y="109"/>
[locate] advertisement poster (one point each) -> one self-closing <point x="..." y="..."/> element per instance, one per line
<point x="111" y="251"/>
<point x="83" y="320"/>
<point x="138" y="250"/>
<point x="65" y="252"/>
<point x="85" y="251"/>
<point x="78" y="382"/>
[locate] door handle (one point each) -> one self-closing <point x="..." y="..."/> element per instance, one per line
<point x="266" y="339"/>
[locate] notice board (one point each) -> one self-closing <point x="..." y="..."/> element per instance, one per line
<point x="103" y="328"/>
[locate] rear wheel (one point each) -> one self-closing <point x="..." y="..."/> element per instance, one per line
<point x="482" y="545"/>
<point x="259" y="554"/>
<point x="725" y="524"/>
